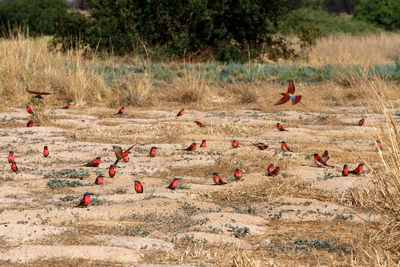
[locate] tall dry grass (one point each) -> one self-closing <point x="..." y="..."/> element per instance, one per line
<point x="384" y="199"/>
<point x="364" y="50"/>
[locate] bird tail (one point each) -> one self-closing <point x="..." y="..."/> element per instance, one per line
<point x="87" y="164"/>
<point x="116" y="162"/>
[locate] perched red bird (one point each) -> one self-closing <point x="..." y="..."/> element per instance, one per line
<point x="11" y="156"/>
<point x="270" y="169"/>
<point x="85" y="200"/>
<point x="280" y="127"/>
<point x="39" y="94"/>
<point x="235" y="143"/>
<point x="120" y="154"/>
<point x="203" y="143"/>
<point x="261" y="146"/>
<point x="358" y="170"/>
<point x="14" y="166"/>
<point x="94" y="163"/>
<point x="192" y="147"/>
<point x="320" y="162"/>
<point x="45" y="151"/>
<point x="379" y="144"/>
<point x="199" y="123"/>
<point x="325" y="156"/>
<point x="30" y="123"/>
<point x="153" y="151"/>
<point x="180" y="113"/>
<point x="217" y="179"/>
<point x="99" y="179"/>
<point x="68" y="106"/>
<point x="120" y="111"/>
<point x="289" y="95"/>
<point x="174" y="183"/>
<point x="345" y="171"/>
<point x="238" y="174"/>
<point x="285" y="146"/>
<point x="275" y="172"/>
<point x="111" y="170"/>
<point x="29" y="109"/>
<point x="138" y="186"/>
<point x="361" y="122"/>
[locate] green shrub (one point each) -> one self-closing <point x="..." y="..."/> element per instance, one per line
<point x="381" y="13"/>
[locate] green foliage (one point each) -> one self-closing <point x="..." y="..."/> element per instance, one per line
<point x="381" y="13"/>
<point x="232" y="30"/>
<point x="324" y="24"/>
<point x="36" y="15"/>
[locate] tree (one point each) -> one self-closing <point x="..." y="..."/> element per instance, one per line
<point x="36" y="15"/>
<point x="226" y="29"/>
<point x="381" y="13"/>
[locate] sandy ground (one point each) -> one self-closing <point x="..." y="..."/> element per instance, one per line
<point x="37" y="222"/>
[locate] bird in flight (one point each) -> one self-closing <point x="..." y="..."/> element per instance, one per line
<point x="289" y="95"/>
<point x="39" y="94"/>
<point x="120" y="154"/>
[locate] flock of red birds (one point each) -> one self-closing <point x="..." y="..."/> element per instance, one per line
<point x="272" y="170"/>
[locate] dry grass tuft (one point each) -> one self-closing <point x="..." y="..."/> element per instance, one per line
<point x="271" y="188"/>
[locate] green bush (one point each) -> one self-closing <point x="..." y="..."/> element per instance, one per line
<point x="36" y="15"/>
<point x="230" y="30"/>
<point x="381" y="13"/>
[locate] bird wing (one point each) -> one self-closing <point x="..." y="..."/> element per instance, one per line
<point x="33" y="92"/>
<point x="118" y="151"/>
<point x="130" y="147"/>
<point x="291" y="87"/>
<point x="283" y="100"/>
<point x="296" y="99"/>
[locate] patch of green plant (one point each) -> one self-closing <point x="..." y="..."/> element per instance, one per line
<point x="60" y="183"/>
<point x="68" y="173"/>
<point x="238" y="232"/>
<point x="344" y="217"/>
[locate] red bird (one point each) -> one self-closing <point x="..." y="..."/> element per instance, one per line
<point x="14" y="166"/>
<point x="45" y="151"/>
<point x="120" y="154"/>
<point x="153" y="151"/>
<point x="99" y="179"/>
<point x="199" y="124"/>
<point x="68" y="106"/>
<point x="111" y="170"/>
<point x="361" y="122"/>
<point x="325" y="156"/>
<point x="238" y="174"/>
<point x="138" y="186"/>
<point x="85" y="200"/>
<point x="235" y="143"/>
<point x="261" y="146"/>
<point x="345" y="171"/>
<point x="180" y="113"/>
<point x="285" y="146"/>
<point x="203" y="143"/>
<point x="280" y="127"/>
<point x="358" y="170"/>
<point x="192" y="147"/>
<point x="320" y="162"/>
<point x="289" y="95"/>
<point x="29" y="109"/>
<point x="120" y="111"/>
<point x="39" y="94"/>
<point x="270" y="169"/>
<point x="275" y="172"/>
<point x="217" y="179"/>
<point x="11" y="156"/>
<point x="174" y="183"/>
<point x="30" y="123"/>
<point x="379" y="144"/>
<point x="94" y="163"/>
